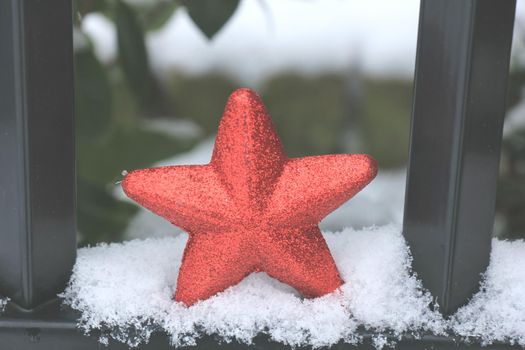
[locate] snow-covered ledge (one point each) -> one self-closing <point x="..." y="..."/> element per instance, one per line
<point x="125" y="289"/>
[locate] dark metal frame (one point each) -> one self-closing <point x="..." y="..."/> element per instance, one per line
<point x="37" y="153"/>
<point x="459" y="104"/>
<point x="459" y="98"/>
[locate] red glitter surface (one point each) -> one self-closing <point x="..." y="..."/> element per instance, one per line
<point x="252" y="208"/>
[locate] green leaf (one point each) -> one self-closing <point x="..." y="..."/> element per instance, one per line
<point x="385" y="120"/>
<point x="87" y="6"/>
<point x="92" y="96"/>
<point x="308" y="112"/>
<point x="210" y="15"/>
<point x="127" y="149"/>
<point x="515" y="86"/>
<point x="157" y="14"/>
<point x="133" y="56"/>
<point x="127" y="143"/>
<point x="201" y="98"/>
<point x="83" y="7"/>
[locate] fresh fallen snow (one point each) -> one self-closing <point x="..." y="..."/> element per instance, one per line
<point x="497" y="312"/>
<point x="125" y="290"/>
<point x="129" y="286"/>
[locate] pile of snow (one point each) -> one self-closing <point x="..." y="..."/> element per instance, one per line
<point x="125" y="289"/>
<point x="379" y="203"/>
<point x="497" y="312"/>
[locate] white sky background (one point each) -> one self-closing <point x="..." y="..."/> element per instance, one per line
<point x="267" y="36"/>
<point x="273" y="35"/>
<point x="309" y="35"/>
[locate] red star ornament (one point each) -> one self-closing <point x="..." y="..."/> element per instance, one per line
<point x="252" y="208"/>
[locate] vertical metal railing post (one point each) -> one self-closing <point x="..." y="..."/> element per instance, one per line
<point x="37" y="173"/>
<point x="459" y="103"/>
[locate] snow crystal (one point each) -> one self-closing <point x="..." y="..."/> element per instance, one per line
<point x="125" y="290"/>
<point x="497" y="312"/>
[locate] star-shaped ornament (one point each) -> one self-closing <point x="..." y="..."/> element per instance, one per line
<point x="252" y="208"/>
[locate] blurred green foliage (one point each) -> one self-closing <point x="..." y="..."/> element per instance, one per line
<point x="111" y="137"/>
<point x="132" y="56"/>
<point x="385" y="120"/>
<point x="515" y="86"/>
<point x="309" y="112"/>
<point x="92" y="96"/>
<point x="115" y="101"/>
<point x="510" y="201"/>
<point x="201" y="98"/>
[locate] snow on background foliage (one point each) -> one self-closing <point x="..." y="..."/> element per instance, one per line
<point x="129" y="286"/>
<point x="3" y="303"/>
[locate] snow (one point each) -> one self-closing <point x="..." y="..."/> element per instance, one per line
<point x="181" y="129"/>
<point x="125" y="289"/>
<point x="381" y="202"/>
<point x="103" y="34"/>
<point x="3" y="303"/>
<point x="497" y="312"/>
<point x="515" y="118"/>
<point x="128" y="286"/>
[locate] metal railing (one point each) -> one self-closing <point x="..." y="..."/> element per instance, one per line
<point x="459" y="98"/>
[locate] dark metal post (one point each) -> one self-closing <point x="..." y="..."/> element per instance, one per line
<point x="37" y="173"/>
<point x="459" y="103"/>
